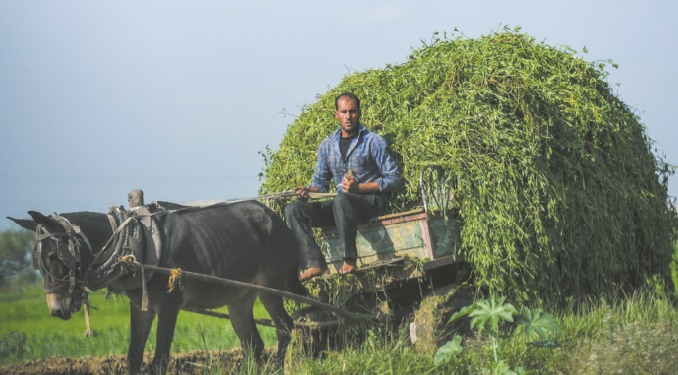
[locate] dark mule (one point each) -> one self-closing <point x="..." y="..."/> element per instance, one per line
<point x="243" y="241"/>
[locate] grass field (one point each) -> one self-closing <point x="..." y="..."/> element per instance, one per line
<point x="27" y="331"/>
<point x="630" y="334"/>
<point x="634" y="334"/>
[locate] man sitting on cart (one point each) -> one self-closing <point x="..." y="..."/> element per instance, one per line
<point x="362" y="168"/>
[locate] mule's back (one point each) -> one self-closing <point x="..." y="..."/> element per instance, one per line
<point x="243" y="241"/>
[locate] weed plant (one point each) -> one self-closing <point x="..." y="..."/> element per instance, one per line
<point x="626" y="335"/>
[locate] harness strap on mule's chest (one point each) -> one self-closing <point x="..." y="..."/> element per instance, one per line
<point x="105" y="269"/>
<point x="112" y="221"/>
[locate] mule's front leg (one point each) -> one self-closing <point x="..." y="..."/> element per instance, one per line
<point x="140" y="326"/>
<point x="167" y="321"/>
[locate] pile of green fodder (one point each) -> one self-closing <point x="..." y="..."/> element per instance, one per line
<point x="558" y="187"/>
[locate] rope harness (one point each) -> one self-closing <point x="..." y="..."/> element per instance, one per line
<point x="174" y="280"/>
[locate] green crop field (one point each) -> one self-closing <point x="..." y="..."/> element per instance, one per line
<point x="27" y="331"/>
<point x="629" y="334"/>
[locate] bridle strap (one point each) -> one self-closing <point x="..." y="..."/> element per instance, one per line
<point x="69" y="257"/>
<point x="40" y="237"/>
<point x="41" y="234"/>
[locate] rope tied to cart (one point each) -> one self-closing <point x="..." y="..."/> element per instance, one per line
<point x="177" y="275"/>
<point x="174" y="280"/>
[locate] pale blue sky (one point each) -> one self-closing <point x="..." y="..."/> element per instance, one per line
<point x="178" y="97"/>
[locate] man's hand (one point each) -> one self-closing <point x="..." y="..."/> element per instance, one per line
<point x="302" y="193"/>
<point x="349" y="184"/>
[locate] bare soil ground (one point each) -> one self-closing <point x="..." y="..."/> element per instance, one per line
<point x="181" y="364"/>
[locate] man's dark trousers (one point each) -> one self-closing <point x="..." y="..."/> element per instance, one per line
<point x="345" y="211"/>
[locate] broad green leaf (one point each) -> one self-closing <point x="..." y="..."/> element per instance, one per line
<point x="448" y="351"/>
<point x="536" y="322"/>
<point x="463" y="312"/>
<point x="489" y="313"/>
<point x="502" y="368"/>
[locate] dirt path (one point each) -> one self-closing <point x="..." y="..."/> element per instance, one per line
<point x="225" y="362"/>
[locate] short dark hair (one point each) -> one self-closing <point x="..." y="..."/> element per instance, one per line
<point x="347" y="95"/>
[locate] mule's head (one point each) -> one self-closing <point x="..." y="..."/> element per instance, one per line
<point x="58" y="258"/>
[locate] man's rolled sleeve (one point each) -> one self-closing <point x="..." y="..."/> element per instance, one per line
<point x="322" y="174"/>
<point x="390" y="174"/>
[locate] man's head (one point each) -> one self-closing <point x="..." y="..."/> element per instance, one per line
<point x="347" y="107"/>
<point x="346" y="95"/>
<point x="135" y="198"/>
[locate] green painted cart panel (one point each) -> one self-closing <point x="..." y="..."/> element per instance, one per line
<point x="395" y="236"/>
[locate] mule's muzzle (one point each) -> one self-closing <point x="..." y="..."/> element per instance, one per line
<point x="65" y="315"/>
<point x="60" y="306"/>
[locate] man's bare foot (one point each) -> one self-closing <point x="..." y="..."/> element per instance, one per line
<point x="347" y="268"/>
<point x="313" y="272"/>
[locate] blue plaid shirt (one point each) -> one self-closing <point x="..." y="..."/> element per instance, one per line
<point x="367" y="157"/>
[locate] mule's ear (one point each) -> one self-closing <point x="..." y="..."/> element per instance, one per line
<point x="39" y="218"/>
<point x="47" y="221"/>
<point x="28" y="224"/>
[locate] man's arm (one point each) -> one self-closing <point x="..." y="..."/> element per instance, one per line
<point x="321" y="176"/>
<point x="390" y="173"/>
<point x="322" y="173"/>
